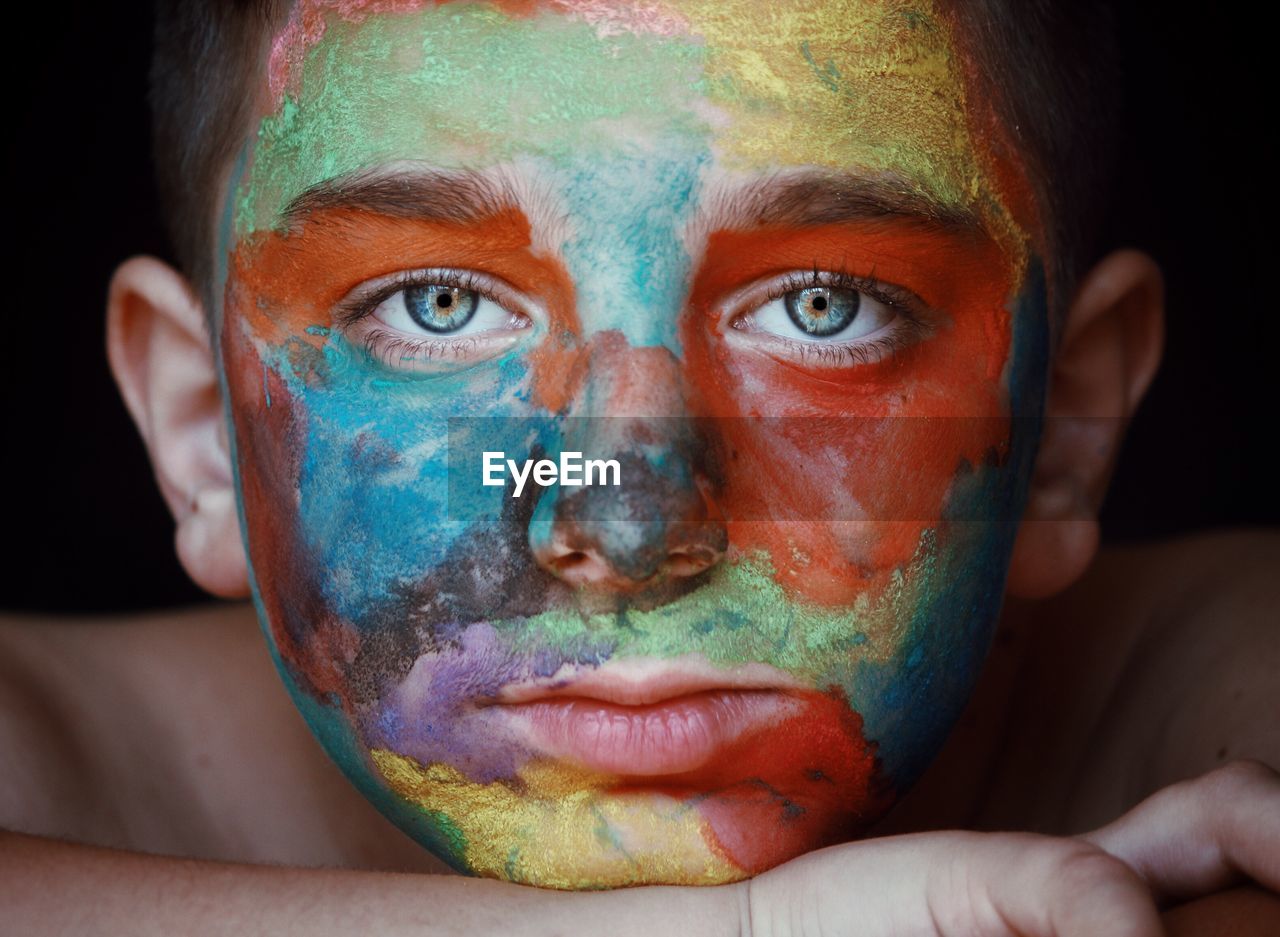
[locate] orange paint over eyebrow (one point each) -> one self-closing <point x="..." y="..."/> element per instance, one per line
<point x="281" y="284"/>
<point x="941" y="267"/>
<point x="921" y="414"/>
<point x="297" y="277"/>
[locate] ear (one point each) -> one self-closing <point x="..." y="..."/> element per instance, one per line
<point x="162" y="359"/>
<point x="1107" y="356"/>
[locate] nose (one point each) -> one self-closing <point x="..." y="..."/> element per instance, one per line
<point x="659" y="523"/>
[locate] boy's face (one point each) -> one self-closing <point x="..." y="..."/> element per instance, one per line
<point x="769" y="259"/>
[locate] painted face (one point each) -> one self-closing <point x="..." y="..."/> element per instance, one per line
<point x="759" y="258"/>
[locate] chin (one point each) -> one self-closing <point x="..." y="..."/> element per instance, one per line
<point x="694" y="787"/>
<point x="555" y="830"/>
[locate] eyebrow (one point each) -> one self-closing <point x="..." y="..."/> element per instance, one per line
<point x="461" y="196"/>
<point x="804" y="198"/>
<point x="811" y="198"/>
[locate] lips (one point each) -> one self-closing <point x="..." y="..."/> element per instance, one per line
<point x="645" y="720"/>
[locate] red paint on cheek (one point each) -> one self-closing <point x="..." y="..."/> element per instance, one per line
<point x="877" y="446"/>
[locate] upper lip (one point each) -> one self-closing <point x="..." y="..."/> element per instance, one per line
<point x="641" y="682"/>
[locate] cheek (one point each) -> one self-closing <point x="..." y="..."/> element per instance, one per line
<point x="344" y="468"/>
<point x="856" y="469"/>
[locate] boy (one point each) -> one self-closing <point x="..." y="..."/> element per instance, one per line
<point x="806" y="279"/>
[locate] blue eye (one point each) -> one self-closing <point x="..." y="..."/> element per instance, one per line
<point x="440" y="308"/>
<point x="434" y="320"/>
<point x="822" y="310"/>
<point x="822" y="313"/>
<point x="446" y="309"/>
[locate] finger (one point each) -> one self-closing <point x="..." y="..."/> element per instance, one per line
<point x="953" y="883"/>
<point x="1057" y="888"/>
<point x="1200" y="836"/>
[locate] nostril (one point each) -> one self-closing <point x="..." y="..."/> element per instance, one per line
<point x="632" y="555"/>
<point x="688" y="562"/>
<point x="569" y="561"/>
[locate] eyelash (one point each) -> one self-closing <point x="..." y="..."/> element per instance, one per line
<point x="358" y="307"/>
<point x="388" y="348"/>
<point x="859" y="352"/>
<point x="393" y="350"/>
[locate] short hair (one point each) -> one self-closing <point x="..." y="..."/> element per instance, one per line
<point x="1052" y="67"/>
<point x="208" y="58"/>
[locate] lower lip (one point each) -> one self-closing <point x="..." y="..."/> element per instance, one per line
<point x="670" y="737"/>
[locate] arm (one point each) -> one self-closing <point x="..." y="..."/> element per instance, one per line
<point x="1183" y="842"/>
<point x="1247" y="911"/>
<point x="50" y="887"/>
<point x="985" y="885"/>
<point x="863" y="889"/>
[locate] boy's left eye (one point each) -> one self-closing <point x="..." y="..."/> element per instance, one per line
<point x="827" y="319"/>
<point x="815" y="313"/>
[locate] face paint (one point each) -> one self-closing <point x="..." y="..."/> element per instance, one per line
<point x="752" y="253"/>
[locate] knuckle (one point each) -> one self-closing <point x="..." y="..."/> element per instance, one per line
<point x="1226" y="781"/>
<point x="1080" y="867"/>
<point x="1232" y="780"/>
<point x="1209" y="806"/>
<point x="1248" y="771"/>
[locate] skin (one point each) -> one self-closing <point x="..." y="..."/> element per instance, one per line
<point x="80" y="698"/>
<point x="641" y="285"/>
<point x="171" y="735"/>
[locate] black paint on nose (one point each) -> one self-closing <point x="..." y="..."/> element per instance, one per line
<point x="659" y="523"/>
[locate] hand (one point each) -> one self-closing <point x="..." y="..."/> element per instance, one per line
<point x="952" y="883"/>
<point x="1184" y="842"/>
<point x="1201" y="836"/>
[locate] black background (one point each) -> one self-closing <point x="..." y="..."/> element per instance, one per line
<point x="87" y="530"/>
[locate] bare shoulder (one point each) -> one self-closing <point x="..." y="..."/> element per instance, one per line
<point x="95" y="709"/>
<point x="171" y="733"/>
<point x="1203" y="681"/>
<point x="1195" y="682"/>
<point x="1160" y="664"/>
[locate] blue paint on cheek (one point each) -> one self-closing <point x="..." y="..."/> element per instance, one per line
<point x="373" y="480"/>
<point x="910" y="703"/>
<point x="625" y="251"/>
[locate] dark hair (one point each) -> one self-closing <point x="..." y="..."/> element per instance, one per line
<point x="208" y="58"/>
<point x="1053" y="69"/>
<point x="1052" y="66"/>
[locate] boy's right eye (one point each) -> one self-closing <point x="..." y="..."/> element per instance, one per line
<point x="442" y="309"/>
<point x="431" y="320"/>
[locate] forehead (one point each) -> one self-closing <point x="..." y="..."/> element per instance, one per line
<point x="678" y="88"/>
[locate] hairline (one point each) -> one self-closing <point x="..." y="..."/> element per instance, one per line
<point x="1063" y="261"/>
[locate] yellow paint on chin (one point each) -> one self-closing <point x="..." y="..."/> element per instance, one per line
<point x="561" y="830"/>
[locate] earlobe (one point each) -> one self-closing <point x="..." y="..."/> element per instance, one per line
<point x="1106" y="359"/>
<point x="163" y="362"/>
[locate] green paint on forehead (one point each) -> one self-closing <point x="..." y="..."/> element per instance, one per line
<point x="462" y="86"/>
<point x="873" y="86"/>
